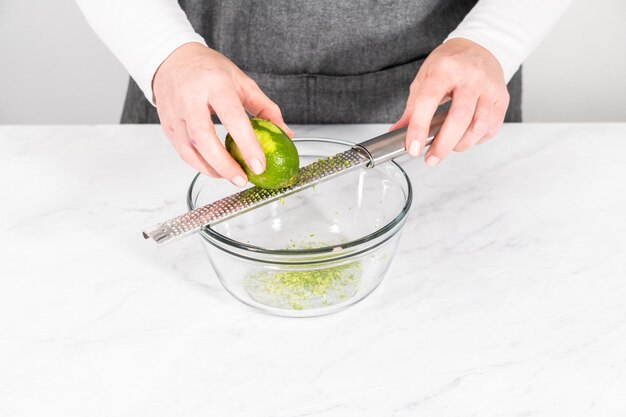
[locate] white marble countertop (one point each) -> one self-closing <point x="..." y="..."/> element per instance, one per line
<point x="507" y="296"/>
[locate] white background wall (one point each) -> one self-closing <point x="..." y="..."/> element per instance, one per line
<point x="54" y="70"/>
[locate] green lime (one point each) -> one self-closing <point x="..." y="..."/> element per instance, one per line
<point x="282" y="161"/>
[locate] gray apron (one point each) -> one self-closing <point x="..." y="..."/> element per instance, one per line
<point x="326" y="61"/>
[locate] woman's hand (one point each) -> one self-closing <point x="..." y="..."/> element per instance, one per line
<point x="195" y="81"/>
<point x="471" y="76"/>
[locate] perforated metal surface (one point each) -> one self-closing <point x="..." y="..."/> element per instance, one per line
<point x="254" y="197"/>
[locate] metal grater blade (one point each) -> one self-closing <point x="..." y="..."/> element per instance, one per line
<point x="369" y="154"/>
<point x="255" y="197"/>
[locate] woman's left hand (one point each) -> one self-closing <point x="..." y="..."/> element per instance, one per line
<point x="472" y="78"/>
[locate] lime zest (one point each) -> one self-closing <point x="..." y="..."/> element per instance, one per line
<point x="305" y="288"/>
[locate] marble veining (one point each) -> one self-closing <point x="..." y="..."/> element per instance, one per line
<point x="507" y="296"/>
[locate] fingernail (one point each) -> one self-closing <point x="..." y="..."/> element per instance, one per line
<point x="256" y="166"/>
<point x="432" y="160"/>
<point x="414" y="148"/>
<point x="239" y="181"/>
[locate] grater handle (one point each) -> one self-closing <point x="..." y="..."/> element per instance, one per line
<point x="391" y="145"/>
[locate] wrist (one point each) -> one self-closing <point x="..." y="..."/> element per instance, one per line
<point x="473" y="51"/>
<point x="491" y="48"/>
<point x="175" y="61"/>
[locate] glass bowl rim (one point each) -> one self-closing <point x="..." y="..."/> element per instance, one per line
<point x="210" y="234"/>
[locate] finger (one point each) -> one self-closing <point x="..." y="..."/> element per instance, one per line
<point x="229" y="109"/>
<point x="177" y="134"/>
<point x="427" y="99"/>
<point x="497" y="118"/>
<point x="191" y="156"/>
<point x="479" y="126"/>
<point x="258" y="104"/>
<point x="458" y="120"/>
<point x="403" y="121"/>
<point x="203" y="137"/>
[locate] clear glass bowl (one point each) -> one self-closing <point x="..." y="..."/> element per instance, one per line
<point x="315" y="252"/>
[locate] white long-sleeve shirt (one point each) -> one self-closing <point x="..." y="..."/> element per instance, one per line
<point x="143" y="33"/>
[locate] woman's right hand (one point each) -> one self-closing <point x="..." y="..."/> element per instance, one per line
<point x="190" y="85"/>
